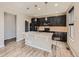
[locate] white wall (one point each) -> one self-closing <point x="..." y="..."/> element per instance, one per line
<point x="74" y="42"/>
<point x="9" y="26"/>
<point x="20" y="24"/>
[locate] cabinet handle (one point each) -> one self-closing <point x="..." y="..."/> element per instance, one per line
<point x="71" y="24"/>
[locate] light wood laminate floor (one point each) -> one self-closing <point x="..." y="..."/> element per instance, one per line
<point x="19" y="49"/>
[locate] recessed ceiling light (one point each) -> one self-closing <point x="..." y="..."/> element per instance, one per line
<point x="27" y="8"/>
<point x="39" y="8"/>
<point x="55" y="4"/>
<point x="36" y="6"/>
<point x="46" y="2"/>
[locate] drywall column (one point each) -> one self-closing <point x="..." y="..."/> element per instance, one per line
<point x="20" y="24"/>
<point x="74" y="42"/>
<point x="76" y="24"/>
<point x="1" y="28"/>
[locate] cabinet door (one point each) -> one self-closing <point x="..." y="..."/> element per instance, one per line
<point x="40" y="21"/>
<point x="33" y="20"/>
<point x="61" y="21"/>
<point x="51" y="20"/>
<point x="58" y="20"/>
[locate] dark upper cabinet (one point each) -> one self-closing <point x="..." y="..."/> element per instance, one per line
<point x="33" y="21"/>
<point x="57" y="20"/>
<point x="40" y="21"/>
<point x="63" y="20"/>
<point x="51" y="20"/>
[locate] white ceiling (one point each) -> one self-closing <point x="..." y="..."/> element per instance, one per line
<point x="33" y="11"/>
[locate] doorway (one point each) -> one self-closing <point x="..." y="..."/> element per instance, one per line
<point x="9" y="28"/>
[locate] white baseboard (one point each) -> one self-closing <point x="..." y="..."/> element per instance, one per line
<point x="17" y="40"/>
<point x="1" y="46"/>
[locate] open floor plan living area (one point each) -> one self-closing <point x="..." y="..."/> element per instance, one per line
<point x="39" y="29"/>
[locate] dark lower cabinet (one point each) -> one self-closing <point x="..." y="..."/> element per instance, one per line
<point x="61" y="35"/>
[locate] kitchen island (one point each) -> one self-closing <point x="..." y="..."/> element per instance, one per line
<point x="40" y="40"/>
